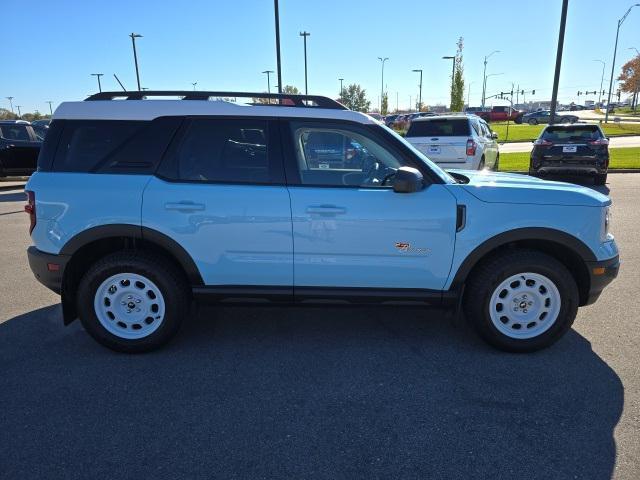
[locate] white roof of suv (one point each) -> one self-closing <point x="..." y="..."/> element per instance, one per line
<point x="142" y="106"/>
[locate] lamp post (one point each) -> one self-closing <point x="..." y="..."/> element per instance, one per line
<point x="613" y="63"/>
<point x="304" y="35"/>
<point x="341" y="80"/>
<point x="19" y="112"/>
<point x="135" y="55"/>
<point x="276" y="12"/>
<point x="420" y="91"/>
<point x="490" y="75"/>
<point x="50" y="108"/>
<point x="98" y="75"/>
<point x="268" y="72"/>
<point x="382" y="61"/>
<point x="484" y="76"/>
<point x="453" y="73"/>
<point x="10" y="102"/>
<point x="556" y="74"/>
<point x="194" y="85"/>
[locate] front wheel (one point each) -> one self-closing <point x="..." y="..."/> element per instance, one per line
<point x="132" y="301"/>
<point x="521" y="301"/>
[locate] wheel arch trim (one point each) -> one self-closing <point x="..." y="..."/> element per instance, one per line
<point x="520" y="234"/>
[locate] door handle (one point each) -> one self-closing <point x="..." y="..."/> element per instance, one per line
<point x="327" y="210"/>
<point x="184" y="206"/>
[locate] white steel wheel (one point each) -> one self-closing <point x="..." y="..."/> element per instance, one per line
<point x="129" y="306"/>
<point x="524" y="305"/>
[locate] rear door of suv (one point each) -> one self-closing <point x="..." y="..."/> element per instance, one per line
<point x="220" y="193"/>
<point x="21" y="147"/>
<point x="443" y="140"/>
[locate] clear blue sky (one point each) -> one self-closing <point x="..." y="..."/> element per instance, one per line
<point x="51" y="47"/>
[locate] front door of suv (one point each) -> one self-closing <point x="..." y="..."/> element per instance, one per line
<point x="350" y="229"/>
<point x="220" y="194"/>
<point x="20" y="153"/>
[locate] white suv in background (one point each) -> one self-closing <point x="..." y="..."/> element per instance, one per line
<point x="456" y="141"/>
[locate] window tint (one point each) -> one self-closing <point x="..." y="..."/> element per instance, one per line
<point x="440" y="127"/>
<point x="15" y="132"/>
<point x="224" y="151"/>
<point x="574" y="133"/>
<point x="477" y="128"/>
<point x="486" y="131"/>
<point x="342" y="157"/>
<point x="86" y="144"/>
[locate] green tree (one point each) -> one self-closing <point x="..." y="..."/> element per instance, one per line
<point x="354" y="97"/>
<point x="385" y="104"/>
<point x="7" y="115"/>
<point x="457" y="82"/>
<point x="290" y="90"/>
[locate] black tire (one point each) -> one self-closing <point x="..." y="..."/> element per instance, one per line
<point x="488" y="276"/>
<point x="169" y="280"/>
<point x="600" y="179"/>
<point x="481" y="164"/>
<point x="565" y="120"/>
<point x="532" y="121"/>
<point x="496" y="165"/>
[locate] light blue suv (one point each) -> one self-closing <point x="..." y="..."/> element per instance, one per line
<point x="140" y="206"/>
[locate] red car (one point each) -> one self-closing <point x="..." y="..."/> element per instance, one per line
<point x="500" y="114"/>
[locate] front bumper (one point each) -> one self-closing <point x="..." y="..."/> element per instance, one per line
<point x="601" y="274"/>
<point x="48" y="268"/>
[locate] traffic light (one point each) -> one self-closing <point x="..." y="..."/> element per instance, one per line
<point x="533" y="92"/>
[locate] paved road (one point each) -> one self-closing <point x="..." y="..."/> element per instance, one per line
<point x="614" y="142"/>
<point x="319" y="393"/>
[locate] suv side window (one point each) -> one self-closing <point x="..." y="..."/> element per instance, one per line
<point x="341" y="156"/>
<point x="486" y="131"/>
<point x="15" y="132"/>
<point x="476" y="128"/>
<point x="225" y="151"/>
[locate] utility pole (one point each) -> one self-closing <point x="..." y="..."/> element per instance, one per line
<point x="276" y="12"/>
<point x="19" y="112"/>
<point x="613" y="63"/>
<point x="98" y="75"/>
<point x="304" y="35"/>
<point x="341" y="80"/>
<point x="10" y="102"/>
<point x="469" y="94"/>
<point x="382" y="60"/>
<point x="135" y="55"/>
<point x="484" y="77"/>
<point x="268" y="72"/>
<point x="453" y="73"/>
<point x="50" y="108"/>
<point x="420" y="94"/>
<point x="556" y="76"/>
<point x="397" y="102"/>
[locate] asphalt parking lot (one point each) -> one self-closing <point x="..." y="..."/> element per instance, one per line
<point x="319" y="393"/>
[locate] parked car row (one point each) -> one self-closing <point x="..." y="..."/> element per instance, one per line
<point x="20" y="143"/>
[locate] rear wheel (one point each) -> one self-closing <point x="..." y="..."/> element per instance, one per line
<point x="533" y="121"/>
<point x="132" y="301"/>
<point x="496" y="165"/>
<point x="600" y="179"/>
<point x="521" y="301"/>
<point x="481" y="164"/>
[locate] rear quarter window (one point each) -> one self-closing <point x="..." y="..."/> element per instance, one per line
<point x="440" y="127"/>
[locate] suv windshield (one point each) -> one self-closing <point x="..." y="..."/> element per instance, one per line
<point x="575" y="133"/>
<point x="440" y="127"/>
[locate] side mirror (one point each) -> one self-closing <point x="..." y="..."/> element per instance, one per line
<point x="494" y="135"/>
<point x="407" y="180"/>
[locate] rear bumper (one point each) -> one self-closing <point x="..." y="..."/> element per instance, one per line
<point x="601" y="274"/>
<point x="569" y="169"/>
<point x="48" y="268"/>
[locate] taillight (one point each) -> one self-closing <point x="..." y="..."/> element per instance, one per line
<point x="30" y="208"/>
<point x="600" y="141"/>
<point x="541" y="142"/>
<point x="471" y="147"/>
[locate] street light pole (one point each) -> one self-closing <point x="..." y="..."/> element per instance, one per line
<point x="98" y="75"/>
<point x="613" y="63"/>
<point x="135" y="55"/>
<point x="601" y="81"/>
<point x="484" y="76"/>
<point x="304" y="35"/>
<point x="453" y="73"/>
<point x="268" y="72"/>
<point x="19" y="112"/>
<point x="194" y="85"/>
<point x="556" y="75"/>
<point x="469" y="94"/>
<point x="50" y="108"/>
<point x="382" y="60"/>
<point x="276" y="12"/>
<point x="420" y="91"/>
<point x="10" y="102"/>
<point x="341" y="80"/>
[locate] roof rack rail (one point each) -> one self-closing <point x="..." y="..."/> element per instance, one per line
<point x="305" y="101"/>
